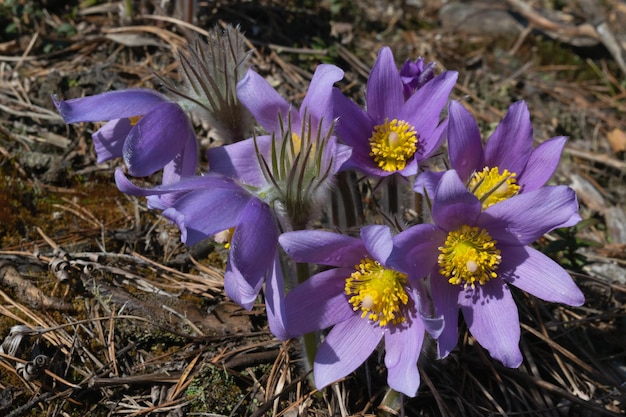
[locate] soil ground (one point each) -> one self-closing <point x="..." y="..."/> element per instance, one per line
<point x="131" y="322"/>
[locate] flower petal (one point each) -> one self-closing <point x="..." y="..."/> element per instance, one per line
<point x="318" y="303"/>
<point x="445" y="298"/>
<point x="354" y="126"/>
<point x="415" y="249"/>
<point x="435" y="141"/>
<point x="346" y="347"/>
<point x="510" y="145"/>
<point x="252" y="251"/>
<point x="195" y="183"/>
<point x="453" y="205"/>
<point x="402" y="350"/>
<point x="184" y="164"/>
<point x="542" y="163"/>
<point x="423" y="109"/>
<point x="491" y="315"/>
<point x="275" y="301"/>
<point x="426" y="183"/>
<point x="108" y="141"/>
<point x="378" y="242"/>
<point x="109" y="106"/>
<point x="156" y="139"/>
<point x="535" y="273"/>
<point x="203" y="213"/>
<point x="239" y="160"/>
<point x="322" y="247"/>
<point x="522" y="219"/>
<point x="318" y="100"/>
<point x="385" y="92"/>
<point x="265" y="104"/>
<point x="465" y="146"/>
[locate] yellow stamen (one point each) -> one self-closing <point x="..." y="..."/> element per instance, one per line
<point x="225" y="237"/>
<point x="134" y="120"/>
<point x="378" y="292"/>
<point x="469" y="255"/>
<point x="491" y="186"/>
<point x="393" y="144"/>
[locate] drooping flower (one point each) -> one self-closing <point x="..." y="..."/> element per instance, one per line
<point x="508" y="164"/>
<point x="367" y="298"/>
<point x="414" y="74"/>
<point x="475" y="254"/>
<point x="144" y="127"/>
<point x="393" y="135"/>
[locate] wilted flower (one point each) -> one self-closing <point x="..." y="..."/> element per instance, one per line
<point x="414" y="74"/>
<point x="507" y="165"/>
<point x="145" y="128"/>
<point x="367" y="297"/>
<point x="474" y="254"/>
<point x="211" y="71"/>
<point x="394" y="134"/>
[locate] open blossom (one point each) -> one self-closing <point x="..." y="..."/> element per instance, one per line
<point x="393" y="134"/>
<point x="366" y="297"/>
<point x="144" y="127"/>
<point x="475" y="254"/>
<point x="507" y="165"/>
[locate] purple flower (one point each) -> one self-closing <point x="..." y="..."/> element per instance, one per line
<point x="300" y="157"/>
<point x="393" y="135"/>
<point x="366" y="297"/>
<point x="473" y="255"/>
<point x="145" y="128"/>
<point x="414" y="74"/>
<point x="252" y="184"/>
<point x="507" y="165"/>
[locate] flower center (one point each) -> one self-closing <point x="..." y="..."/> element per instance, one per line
<point x="469" y="255"/>
<point x="491" y="186"/>
<point x="378" y="292"/>
<point x="393" y="144"/>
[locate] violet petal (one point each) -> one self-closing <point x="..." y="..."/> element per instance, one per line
<point x="465" y="147"/>
<point x="346" y="347"/>
<point x="537" y="274"/>
<point x="491" y="315"/>
<point x="110" y="105"/>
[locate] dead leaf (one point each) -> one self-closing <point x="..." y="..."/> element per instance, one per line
<point x="617" y="140"/>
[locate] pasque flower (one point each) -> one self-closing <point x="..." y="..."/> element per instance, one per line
<point x="258" y="187"/>
<point x="475" y="254"/>
<point x="144" y="127"/>
<point x="393" y="134"/>
<point x="299" y="158"/>
<point x="507" y="164"/>
<point x="367" y="298"/>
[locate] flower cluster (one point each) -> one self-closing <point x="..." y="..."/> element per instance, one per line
<point x="388" y="286"/>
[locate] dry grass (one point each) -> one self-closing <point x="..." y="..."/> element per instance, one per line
<point x="132" y="323"/>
